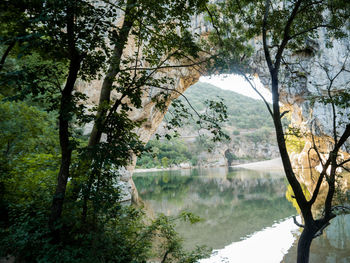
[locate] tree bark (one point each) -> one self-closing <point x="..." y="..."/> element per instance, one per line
<point x="304" y="245"/>
<point x="112" y="72"/>
<point x="66" y="147"/>
<point x="6" y="53"/>
<point x="65" y="115"/>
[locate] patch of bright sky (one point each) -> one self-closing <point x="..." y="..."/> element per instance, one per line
<point x="238" y="84"/>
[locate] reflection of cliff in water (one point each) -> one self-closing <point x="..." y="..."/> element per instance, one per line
<point x="233" y="203"/>
<point x="333" y="246"/>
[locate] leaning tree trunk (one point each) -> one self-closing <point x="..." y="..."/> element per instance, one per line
<point x="105" y="94"/>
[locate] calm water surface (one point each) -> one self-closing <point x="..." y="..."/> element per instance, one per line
<point x="247" y="217"/>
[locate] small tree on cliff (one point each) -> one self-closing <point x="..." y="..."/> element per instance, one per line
<point x="287" y="26"/>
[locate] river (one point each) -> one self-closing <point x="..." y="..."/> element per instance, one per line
<point x="246" y="216"/>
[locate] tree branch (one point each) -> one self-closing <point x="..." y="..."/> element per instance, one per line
<point x="264" y="33"/>
<point x="256" y="90"/>
<point x="215" y="27"/>
<point x="286" y="36"/>
<point x="6" y="53"/>
<point x="297" y="223"/>
<point x="343" y="162"/>
<point x="283" y="113"/>
<point x="343" y="138"/>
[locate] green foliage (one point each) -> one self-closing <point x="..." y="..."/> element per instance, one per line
<point x="261" y="135"/>
<point x="112" y="233"/>
<point x="210" y="117"/>
<point x="248" y="117"/>
<point x="295" y="144"/>
<point x="238" y="22"/>
<point x="165" y="161"/>
<point x="46" y="46"/>
<point x="125" y="237"/>
<point x="172" y="244"/>
<point x="25" y="133"/>
<point x="165" y="153"/>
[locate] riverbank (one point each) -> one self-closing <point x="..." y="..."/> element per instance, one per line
<point x="143" y="170"/>
<point x="274" y="164"/>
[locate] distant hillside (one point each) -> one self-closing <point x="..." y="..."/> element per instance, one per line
<point x="244" y="112"/>
<point x="249" y="126"/>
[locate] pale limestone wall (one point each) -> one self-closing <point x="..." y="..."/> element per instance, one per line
<point x="306" y="78"/>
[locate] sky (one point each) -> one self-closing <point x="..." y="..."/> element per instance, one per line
<point x="237" y="84"/>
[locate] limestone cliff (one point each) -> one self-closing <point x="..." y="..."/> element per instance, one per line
<point x="309" y="73"/>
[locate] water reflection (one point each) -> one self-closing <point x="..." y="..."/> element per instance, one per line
<point x="233" y="203"/>
<point x="247" y="217"/>
<point x="268" y="245"/>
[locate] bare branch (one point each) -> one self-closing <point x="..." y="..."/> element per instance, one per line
<point x="343" y="138"/>
<point x="343" y="162"/>
<point x="6" y="53"/>
<point x="310" y="30"/>
<point x="256" y="90"/>
<point x="283" y="113"/>
<point x="264" y="33"/>
<point x="308" y="158"/>
<point x="341" y="207"/>
<point x="317" y="189"/>
<point x="286" y="36"/>
<point x="316" y="149"/>
<point x="181" y="94"/>
<point x="168" y="66"/>
<point x="320" y="231"/>
<point x="297" y="223"/>
<point x="215" y="27"/>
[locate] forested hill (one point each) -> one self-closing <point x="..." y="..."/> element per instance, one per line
<point x="249" y="127"/>
<point x="243" y="112"/>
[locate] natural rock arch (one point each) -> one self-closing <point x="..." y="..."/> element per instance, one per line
<point x="294" y="97"/>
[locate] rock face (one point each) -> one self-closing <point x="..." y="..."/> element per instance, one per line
<point x="314" y="71"/>
<point x="238" y="152"/>
<point x="255" y="151"/>
<point x="308" y="71"/>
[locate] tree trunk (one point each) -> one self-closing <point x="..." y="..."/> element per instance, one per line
<point x="105" y="94"/>
<point x="304" y="245"/>
<point x="112" y="72"/>
<point x="6" y="53"/>
<point x="305" y="207"/>
<point x="66" y="147"/>
<point x="298" y="192"/>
